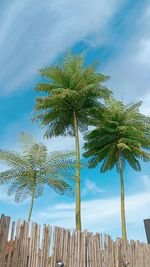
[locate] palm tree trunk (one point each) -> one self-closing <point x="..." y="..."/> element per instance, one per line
<point x="31" y="207"/>
<point x="78" y="195"/>
<point x="123" y="217"/>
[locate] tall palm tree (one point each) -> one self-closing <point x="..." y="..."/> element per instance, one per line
<point x="122" y="135"/>
<point x="30" y="171"/>
<point x="72" y="90"/>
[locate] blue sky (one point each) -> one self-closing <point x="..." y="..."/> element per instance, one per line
<point x="35" y="33"/>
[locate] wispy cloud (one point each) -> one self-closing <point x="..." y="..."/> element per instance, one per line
<point x="5" y="199"/>
<point x="145" y="180"/>
<point x="34" y="32"/>
<point x="130" y="68"/>
<point x="91" y="188"/>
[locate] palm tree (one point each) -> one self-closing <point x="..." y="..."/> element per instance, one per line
<point x="30" y="171"/>
<point x="122" y="135"/>
<point x="72" y="90"/>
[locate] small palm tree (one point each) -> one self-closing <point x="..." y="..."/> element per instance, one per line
<point x="72" y="90"/>
<point x="33" y="169"/>
<point x="122" y="135"/>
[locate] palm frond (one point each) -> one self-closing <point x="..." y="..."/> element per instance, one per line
<point x="60" y="186"/>
<point x="13" y="159"/>
<point x="9" y="175"/>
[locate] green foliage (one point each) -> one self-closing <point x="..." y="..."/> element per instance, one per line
<point x="120" y="131"/>
<point x="35" y="168"/>
<point x="70" y="88"/>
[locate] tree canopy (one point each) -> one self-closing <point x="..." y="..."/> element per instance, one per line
<point x="34" y="168"/>
<point x="121" y="129"/>
<point x="70" y="88"/>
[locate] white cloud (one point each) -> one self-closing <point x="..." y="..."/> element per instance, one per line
<point x="5" y="199"/>
<point x="91" y="188"/>
<point x="146" y="100"/>
<point x="34" y="32"/>
<point x="130" y="68"/>
<point x="145" y="180"/>
<point x="143" y="55"/>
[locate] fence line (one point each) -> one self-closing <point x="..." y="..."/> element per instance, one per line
<point x="29" y="246"/>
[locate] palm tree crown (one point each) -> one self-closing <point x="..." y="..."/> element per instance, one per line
<point x="122" y="135"/>
<point x="71" y="88"/>
<point x="34" y="168"/>
<point x="120" y="130"/>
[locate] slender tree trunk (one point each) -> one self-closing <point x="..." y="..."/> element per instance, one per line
<point x="123" y="217"/>
<point x="31" y="207"/>
<point x="78" y="194"/>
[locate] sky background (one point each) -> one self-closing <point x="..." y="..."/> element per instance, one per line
<point x="36" y="33"/>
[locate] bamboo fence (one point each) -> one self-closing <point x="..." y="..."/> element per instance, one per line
<point x="24" y="245"/>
